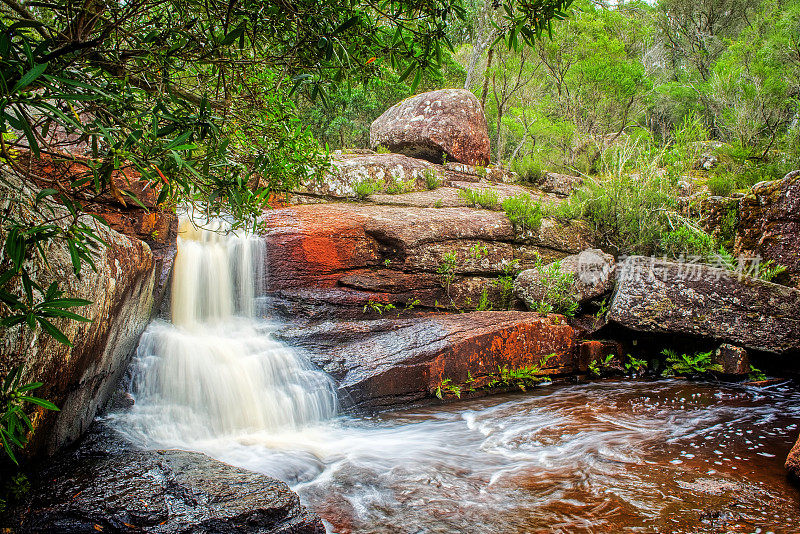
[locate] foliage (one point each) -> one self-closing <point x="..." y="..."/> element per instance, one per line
<point x="505" y="282"/>
<point x="522" y="377"/>
<point x="635" y="366"/>
<point x="397" y="186"/>
<point x="485" y="198"/>
<point x="558" y="294"/>
<point x="379" y="307"/>
<point x="599" y="366"/>
<point x="698" y="364"/>
<point x="523" y="212"/>
<point x="367" y="187"/>
<point x="432" y="179"/>
<point x="14" y="422"/>
<point x="756" y="375"/>
<point x="483" y="303"/>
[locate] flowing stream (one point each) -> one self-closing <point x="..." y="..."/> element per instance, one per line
<point x="608" y="456"/>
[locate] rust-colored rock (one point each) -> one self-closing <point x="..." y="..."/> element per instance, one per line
<point x="793" y="461"/>
<point x="769" y="224"/>
<point x="387" y="362"/>
<point x="429" y="125"/>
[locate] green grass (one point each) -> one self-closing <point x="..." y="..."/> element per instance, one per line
<point x="523" y="212"/>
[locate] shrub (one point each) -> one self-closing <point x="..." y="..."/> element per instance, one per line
<point x="523" y="212"/>
<point x="697" y="364"/>
<point x="396" y="186"/>
<point x="528" y="168"/>
<point x="558" y="295"/>
<point x="721" y="184"/>
<point x="380" y="149"/>
<point x="367" y="187"/>
<point x="432" y="179"/>
<point x="485" y="198"/>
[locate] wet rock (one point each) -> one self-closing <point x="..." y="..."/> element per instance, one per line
<point x="717" y="216"/>
<point x="734" y="360"/>
<point x="386" y="362"/>
<point x="592" y="270"/>
<point x="793" y="460"/>
<point x="559" y="184"/>
<point x="80" y="379"/>
<point x="769" y="224"/>
<point x="693" y="299"/>
<point x="597" y="351"/>
<point x="429" y="125"/>
<point x="391" y="254"/>
<point x="159" y="492"/>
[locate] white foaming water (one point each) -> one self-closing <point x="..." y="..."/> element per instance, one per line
<point x="215" y="372"/>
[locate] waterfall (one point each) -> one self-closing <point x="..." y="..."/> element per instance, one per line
<point x="216" y="371"/>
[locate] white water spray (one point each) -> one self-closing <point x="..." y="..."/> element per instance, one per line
<point x="215" y="371"/>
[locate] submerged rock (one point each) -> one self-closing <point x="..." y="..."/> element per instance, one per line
<point x="388" y="362"/>
<point x="769" y="224"/>
<point x="429" y="125"/>
<point x="159" y="492"/>
<point x="693" y="299"/>
<point x="793" y="460"/>
<point x="592" y="270"/>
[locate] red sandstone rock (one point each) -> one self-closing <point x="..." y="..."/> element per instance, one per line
<point x="394" y="361"/>
<point x="428" y="125"/>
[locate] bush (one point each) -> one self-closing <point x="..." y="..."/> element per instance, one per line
<point x="432" y="179"/>
<point x="485" y="198"/>
<point x="558" y="295"/>
<point x="721" y="184"/>
<point x="523" y="212"/>
<point x="528" y="168"/>
<point x="367" y="187"/>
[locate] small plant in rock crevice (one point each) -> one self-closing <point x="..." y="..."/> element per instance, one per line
<point x="367" y="187"/>
<point x="505" y="282"/>
<point x="690" y="365"/>
<point x="485" y="198"/>
<point x="558" y="294"/>
<point x="447" y="273"/>
<point x="756" y="375"/>
<point x="432" y="179"/>
<point x="378" y="307"/>
<point x="635" y="366"/>
<point x="599" y="366"/>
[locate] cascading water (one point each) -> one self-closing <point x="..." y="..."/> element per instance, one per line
<point x="666" y="456"/>
<point x="215" y="371"/>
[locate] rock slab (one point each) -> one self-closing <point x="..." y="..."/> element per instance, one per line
<point x="159" y="492"/>
<point x="80" y="379"/>
<point x="430" y="125"/>
<point x="388" y="362"/>
<point x="698" y="300"/>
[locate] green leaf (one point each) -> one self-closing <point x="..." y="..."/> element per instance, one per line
<point x="40" y="402"/>
<point x="57" y="334"/>
<point x="30" y="76"/>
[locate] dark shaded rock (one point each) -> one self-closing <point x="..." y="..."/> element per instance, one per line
<point x="110" y="490"/>
<point x="734" y="360"/>
<point x="388" y="362"/>
<point x="716" y="215"/>
<point x="596" y="351"/>
<point x="769" y="224"/>
<point x="80" y="379"/>
<point x="662" y="296"/>
<point x="592" y="269"/>
<point x="559" y="184"/>
<point x="428" y="125"/>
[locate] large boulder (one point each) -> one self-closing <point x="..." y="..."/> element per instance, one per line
<point x="592" y="271"/>
<point x="387" y="362"/>
<point x="429" y="125"/>
<point x="769" y="224"/>
<point x="158" y="492"/>
<point x="693" y="299"/>
<point x="79" y="379"/>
